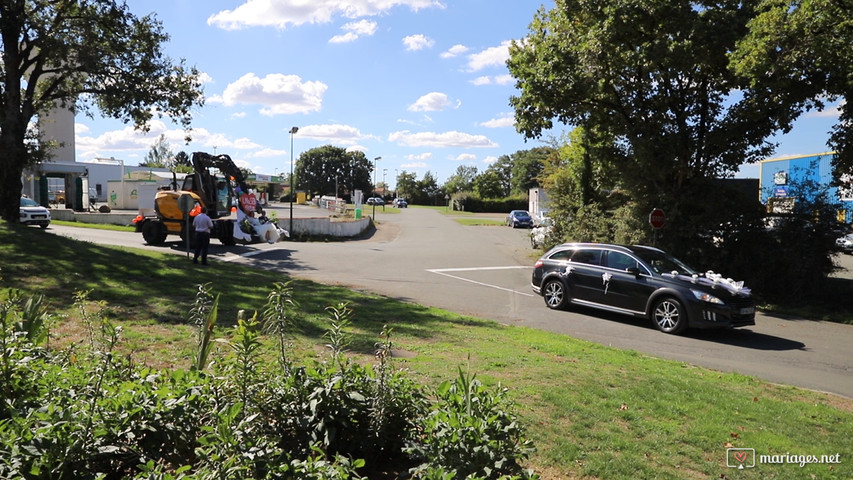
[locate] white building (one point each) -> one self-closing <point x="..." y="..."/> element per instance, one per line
<point x="78" y="181"/>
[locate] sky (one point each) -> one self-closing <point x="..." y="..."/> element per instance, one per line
<point x="422" y="84"/>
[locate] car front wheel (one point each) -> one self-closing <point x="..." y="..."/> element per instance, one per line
<point x="669" y="316"/>
<point x="555" y="294"/>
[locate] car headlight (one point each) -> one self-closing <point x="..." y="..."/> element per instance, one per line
<point x="706" y="297"/>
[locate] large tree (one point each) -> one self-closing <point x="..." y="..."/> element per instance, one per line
<point x="407" y="185"/>
<point x="81" y="55"/>
<point x="462" y="180"/>
<point x="320" y="169"/>
<point x="160" y="155"/>
<point x="526" y="167"/>
<point x="654" y="77"/>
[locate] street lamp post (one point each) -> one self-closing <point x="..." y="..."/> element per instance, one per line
<point x="375" y="160"/>
<point x="293" y="130"/>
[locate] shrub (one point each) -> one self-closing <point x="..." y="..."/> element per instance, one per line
<point x="91" y="414"/>
<point x="471" y="433"/>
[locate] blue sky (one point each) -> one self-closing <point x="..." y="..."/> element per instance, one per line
<point x="421" y="83"/>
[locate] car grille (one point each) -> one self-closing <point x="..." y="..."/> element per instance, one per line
<point x="743" y="313"/>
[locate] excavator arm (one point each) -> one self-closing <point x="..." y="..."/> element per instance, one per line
<point x="217" y="192"/>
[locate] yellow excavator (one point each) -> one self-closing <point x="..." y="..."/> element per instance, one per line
<point x="202" y="188"/>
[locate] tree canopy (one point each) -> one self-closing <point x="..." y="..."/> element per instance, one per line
<point x="653" y="76"/>
<point x="462" y="180"/>
<point x="797" y="52"/>
<point x="84" y="55"/>
<point x="321" y="169"/>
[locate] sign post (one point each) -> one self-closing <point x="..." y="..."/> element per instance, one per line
<point x="657" y="219"/>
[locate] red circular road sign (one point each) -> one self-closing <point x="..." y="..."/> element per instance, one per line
<point x="657" y="218"/>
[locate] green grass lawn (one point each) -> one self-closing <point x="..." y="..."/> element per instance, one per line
<point x="592" y="411"/>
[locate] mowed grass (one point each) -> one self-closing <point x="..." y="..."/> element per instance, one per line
<point x="592" y="411"/>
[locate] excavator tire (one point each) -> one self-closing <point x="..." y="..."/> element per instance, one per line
<point x="154" y="233"/>
<point x="225" y="232"/>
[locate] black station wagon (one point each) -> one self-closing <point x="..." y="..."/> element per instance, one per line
<point x="643" y="282"/>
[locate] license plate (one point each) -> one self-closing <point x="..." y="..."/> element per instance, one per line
<point x="746" y="311"/>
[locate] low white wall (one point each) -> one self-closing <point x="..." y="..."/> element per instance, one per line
<point x="99" y="218"/>
<point x="322" y="226"/>
<point x="325" y="226"/>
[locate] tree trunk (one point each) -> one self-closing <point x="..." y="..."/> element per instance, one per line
<point x="13" y="158"/>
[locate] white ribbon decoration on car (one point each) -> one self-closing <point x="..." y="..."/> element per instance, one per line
<point x="605" y="277"/>
<point x="715" y="280"/>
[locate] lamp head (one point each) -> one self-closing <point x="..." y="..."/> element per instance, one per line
<point x="293" y="130"/>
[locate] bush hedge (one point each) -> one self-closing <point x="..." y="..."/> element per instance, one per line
<point x="88" y="413"/>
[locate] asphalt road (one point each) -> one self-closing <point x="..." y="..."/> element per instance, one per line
<point x="421" y="256"/>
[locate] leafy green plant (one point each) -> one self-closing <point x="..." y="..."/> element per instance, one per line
<point x="472" y="432"/>
<point x="278" y="319"/>
<point x="203" y="315"/>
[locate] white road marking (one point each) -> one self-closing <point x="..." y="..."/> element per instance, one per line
<point x="443" y="271"/>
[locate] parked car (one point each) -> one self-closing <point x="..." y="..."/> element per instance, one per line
<point x="34" y="214"/>
<point x="845" y="243"/>
<point x="375" y="201"/>
<point x="641" y="281"/>
<point x="401" y="203"/>
<point x="519" y="218"/>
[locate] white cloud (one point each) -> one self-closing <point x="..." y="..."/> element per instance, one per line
<point x="345" y="38"/>
<point x="336" y="133"/>
<point x="205" y="78"/>
<point x="454" y="51"/>
<point x="414" y="165"/>
<point x="284" y="13"/>
<point x="446" y="139"/>
<point x="354" y="31"/>
<point x="417" y="42"/>
<point x="128" y="142"/>
<point x="432" y="102"/>
<point x="829" y="112"/>
<point x="490" y="160"/>
<point x="277" y="93"/>
<point x="465" y="157"/>
<point x="505" y="79"/>
<point x="420" y="156"/>
<point x="504" y="120"/>
<point x="490" y="57"/>
<point x="267" y="153"/>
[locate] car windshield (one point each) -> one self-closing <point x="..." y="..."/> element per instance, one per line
<point x="661" y="262"/>
<point x="28" y="202"/>
<point x="522" y="215"/>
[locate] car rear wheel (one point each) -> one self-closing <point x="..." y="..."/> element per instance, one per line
<point x="555" y="294"/>
<point x="669" y="316"/>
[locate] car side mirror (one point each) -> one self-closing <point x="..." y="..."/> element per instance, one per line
<point x="633" y="270"/>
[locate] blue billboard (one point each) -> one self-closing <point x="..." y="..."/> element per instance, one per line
<point x="778" y="174"/>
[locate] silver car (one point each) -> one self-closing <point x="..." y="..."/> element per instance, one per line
<point x="845" y="243"/>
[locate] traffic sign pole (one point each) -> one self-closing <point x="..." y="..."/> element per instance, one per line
<point x="657" y="219"/>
